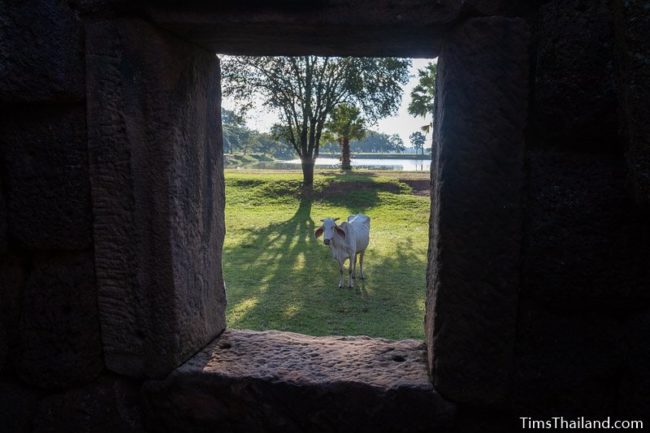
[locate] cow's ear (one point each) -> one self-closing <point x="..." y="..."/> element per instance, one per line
<point x="318" y="232"/>
<point x="340" y="231"/>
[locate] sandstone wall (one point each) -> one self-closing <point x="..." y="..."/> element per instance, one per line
<point x="476" y="214"/>
<point x="155" y="152"/>
<point x="54" y="365"/>
<point x="584" y="301"/>
<point x="568" y="258"/>
<point x="52" y="375"/>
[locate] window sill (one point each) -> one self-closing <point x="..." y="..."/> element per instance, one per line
<point x="279" y="381"/>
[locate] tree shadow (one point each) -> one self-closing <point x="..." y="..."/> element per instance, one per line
<point x="265" y="262"/>
<point x="287" y="280"/>
<point x="358" y="192"/>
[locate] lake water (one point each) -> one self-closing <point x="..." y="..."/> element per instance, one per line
<point x="383" y="164"/>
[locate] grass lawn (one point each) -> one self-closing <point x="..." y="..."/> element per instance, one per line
<point x="278" y="276"/>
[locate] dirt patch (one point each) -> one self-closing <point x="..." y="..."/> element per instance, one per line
<point x="420" y="186"/>
<point x="336" y="188"/>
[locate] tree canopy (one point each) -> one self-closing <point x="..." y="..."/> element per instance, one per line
<point x="304" y="91"/>
<point x="345" y="124"/>
<point x="373" y="142"/>
<point x="423" y="94"/>
<point x="417" y="139"/>
<point x="237" y="137"/>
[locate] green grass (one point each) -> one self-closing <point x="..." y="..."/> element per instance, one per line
<point x="278" y="276"/>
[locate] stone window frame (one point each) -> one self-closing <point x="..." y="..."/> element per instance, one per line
<point x="158" y="194"/>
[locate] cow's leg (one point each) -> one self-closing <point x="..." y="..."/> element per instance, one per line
<point x="341" y="273"/>
<point x="350" y="271"/>
<point x="361" y="254"/>
<point x="354" y="267"/>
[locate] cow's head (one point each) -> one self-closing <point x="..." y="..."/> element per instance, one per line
<point x="328" y="230"/>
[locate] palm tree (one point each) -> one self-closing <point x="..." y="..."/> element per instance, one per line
<point x="423" y="94"/>
<point x="346" y="124"/>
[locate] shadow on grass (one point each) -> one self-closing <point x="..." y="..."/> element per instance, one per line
<point x="357" y="192"/>
<point x="281" y="277"/>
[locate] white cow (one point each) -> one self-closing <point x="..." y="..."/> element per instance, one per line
<point x="347" y="241"/>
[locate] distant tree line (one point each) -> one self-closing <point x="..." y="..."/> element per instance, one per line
<point x="322" y="102"/>
<point x="304" y="91"/>
<point x="373" y="142"/>
<point x="238" y="138"/>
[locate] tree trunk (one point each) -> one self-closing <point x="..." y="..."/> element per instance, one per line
<point x="307" y="172"/>
<point x="345" y="154"/>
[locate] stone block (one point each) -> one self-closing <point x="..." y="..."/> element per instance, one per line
<point x="476" y="217"/>
<point x="4" y="347"/>
<point x="12" y="279"/>
<point x="566" y="364"/>
<point x="471" y="419"/>
<point x="4" y="242"/>
<point x="111" y="405"/>
<point x="487" y="7"/>
<point x="47" y="183"/>
<point x="631" y="27"/>
<point x="41" y="44"/>
<point x="333" y="27"/>
<point x="574" y="97"/>
<point x="60" y="342"/>
<point x="18" y="404"/>
<point x="248" y="381"/>
<point x="634" y="399"/>
<point x="156" y="158"/>
<point x="588" y="244"/>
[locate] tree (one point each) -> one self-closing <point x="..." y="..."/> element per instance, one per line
<point x="237" y="137"/>
<point x="346" y="124"/>
<point x="234" y="130"/>
<point x="418" y="139"/>
<point x="396" y="142"/>
<point x="373" y="142"/>
<point x="305" y="90"/>
<point x="423" y="94"/>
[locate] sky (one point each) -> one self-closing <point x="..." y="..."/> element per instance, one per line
<point x="402" y="123"/>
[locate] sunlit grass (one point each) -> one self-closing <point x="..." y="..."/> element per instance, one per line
<point x="278" y="276"/>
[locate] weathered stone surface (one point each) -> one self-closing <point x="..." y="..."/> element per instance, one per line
<point x="632" y="27"/>
<point x="45" y="154"/>
<point x="471" y="419"/>
<point x="4" y="243"/>
<point x="270" y="381"/>
<point x="566" y="364"/>
<point x="574" y="104"/>
<point x="17" y="406"/>
<point x="109" y="406"/>
<point x="634" y="399"/>
<point x="158" y="195"/>
<point x="41" y="47"/>
<point x="12" y="279"/>
<point x="487" y="7"/>
<point x="4" y="347"/>
<point x="475" y="233"/>
<point x="588" y="244"/>
<point x="60" y="342"/>
<point x="336" y="27"/>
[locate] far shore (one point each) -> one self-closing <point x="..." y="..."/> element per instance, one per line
<point x="379" y="155"/>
